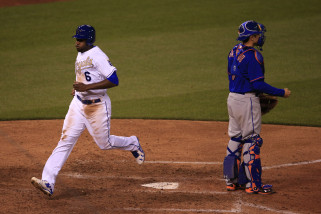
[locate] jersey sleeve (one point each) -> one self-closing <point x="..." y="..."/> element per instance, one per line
<point x="114" y="78"/>
<point x="262" y="86"/>
<point x="255" y="66"/>
<point x="104" y="66"/>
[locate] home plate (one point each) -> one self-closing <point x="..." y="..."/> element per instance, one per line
<point x="162" y="185"/>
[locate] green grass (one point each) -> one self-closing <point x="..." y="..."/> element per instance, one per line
<point x="170" y="55"/>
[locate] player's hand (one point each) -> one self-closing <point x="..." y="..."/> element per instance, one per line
<point x="79" y="86"/>
<point x="287" y="93"/>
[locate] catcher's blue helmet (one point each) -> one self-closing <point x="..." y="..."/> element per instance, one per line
<point x="249" y="28"/>
<point x="86" y="32"/>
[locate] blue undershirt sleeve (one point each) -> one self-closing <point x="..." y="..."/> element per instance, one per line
<point x="262" y="86"/>
<point x="114" y="78"/>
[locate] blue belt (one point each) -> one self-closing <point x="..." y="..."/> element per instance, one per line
<point x="88" y="102"/>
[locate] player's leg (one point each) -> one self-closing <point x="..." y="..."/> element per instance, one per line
<point x="253" y="167"/>
<point x="234" y="148"/>
<point x="251" y="150"/>
<point x="72" y="129"/>
<point x="232" y="162"/>
<point x="98" y="125"/>
<point x="251" y="122"/>
<point x="251" y="127"/>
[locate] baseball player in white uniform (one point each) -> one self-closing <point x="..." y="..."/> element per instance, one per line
<point x="90" y="108"/>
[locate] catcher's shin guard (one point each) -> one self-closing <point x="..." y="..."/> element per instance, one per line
<point x="254" y="165"/>
<point x="242" y="175"/>
<point x="231" y="162"/>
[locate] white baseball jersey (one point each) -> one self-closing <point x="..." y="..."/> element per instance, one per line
<point x="93" y="66"/>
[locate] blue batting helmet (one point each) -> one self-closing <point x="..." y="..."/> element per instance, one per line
<point x="86" y="32"/>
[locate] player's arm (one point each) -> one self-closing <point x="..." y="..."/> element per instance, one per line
<point x="262" y="86"/>
<point x="256" y="72"/>
<point x="110" y="82"/>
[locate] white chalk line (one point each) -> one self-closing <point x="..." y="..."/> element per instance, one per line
<point x="183" y="162"/>
<point x="266" y="208"/>
<point x="292" y="164"/>
<point x="84" y="176"/>
<point x="177" y="191"/>
<point x="237" y="208"/>
<point x="220" y="163"/>
<point x="79" y="176"/>
<point x="233" y="210"/>
<point x="96" y="177"/>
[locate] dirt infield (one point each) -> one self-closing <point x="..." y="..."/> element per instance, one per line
<point x="189" y="153"/>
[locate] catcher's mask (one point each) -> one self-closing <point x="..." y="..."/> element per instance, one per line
<point x="86" y="32"/>
<point x="249" y="28"/>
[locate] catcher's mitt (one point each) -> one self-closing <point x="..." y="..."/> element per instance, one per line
<point x="267" y="102"/>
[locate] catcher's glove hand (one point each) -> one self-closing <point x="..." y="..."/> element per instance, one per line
<point x="267" y="102"/>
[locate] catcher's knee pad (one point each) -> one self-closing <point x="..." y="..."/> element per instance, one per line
<point x="258" y="141"/>
<point x="255" y="140"/>
<point x="231" y="162"/>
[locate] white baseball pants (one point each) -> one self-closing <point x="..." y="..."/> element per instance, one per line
<point x="244" y="120"/>
<point x="96" y="118"/>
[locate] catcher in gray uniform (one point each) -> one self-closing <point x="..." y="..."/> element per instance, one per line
<point x="246" y="84"/>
